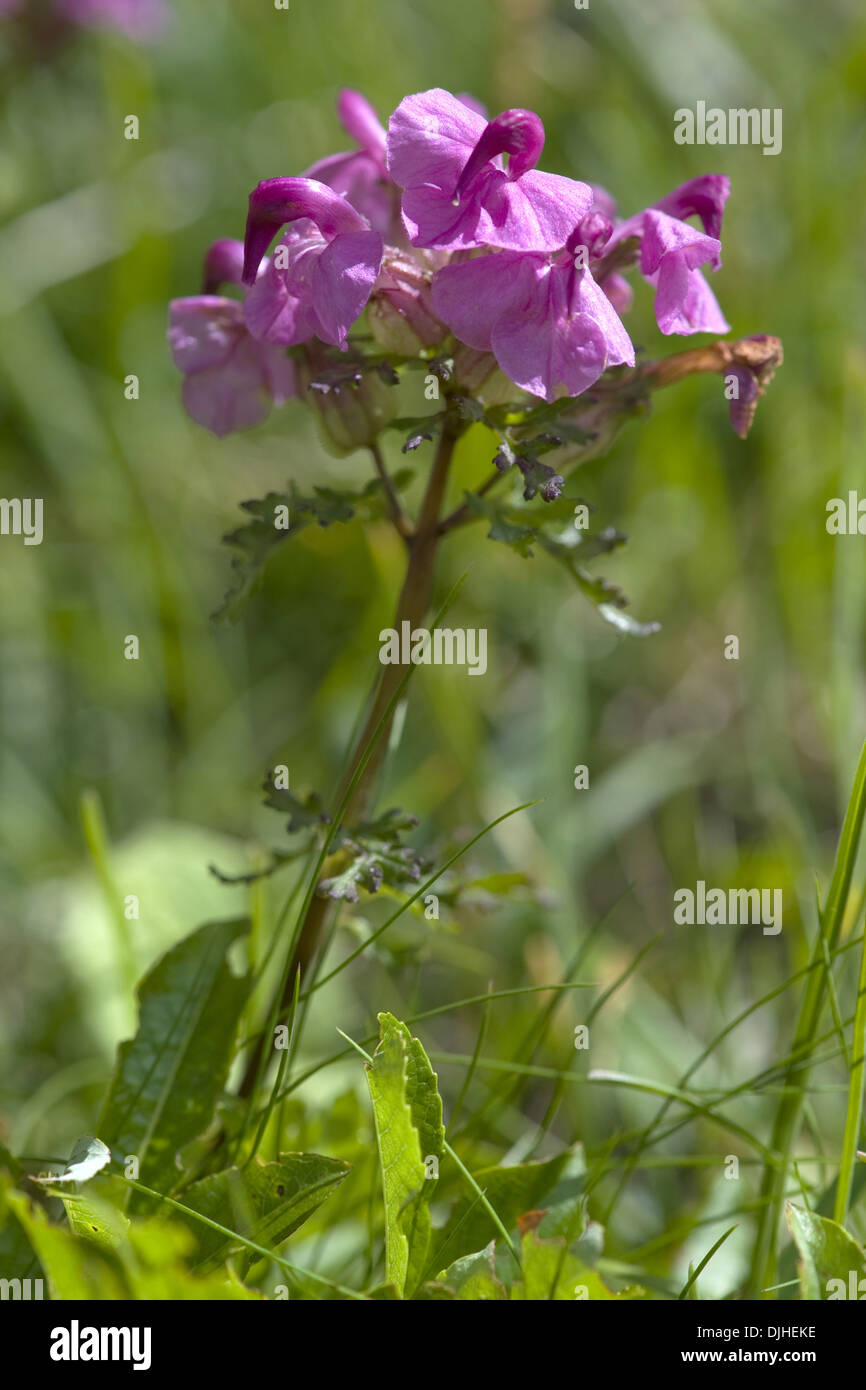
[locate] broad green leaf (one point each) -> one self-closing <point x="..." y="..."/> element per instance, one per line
<point x="74" y="1269"/>
<point x="169" y="1077"/>
<point x="88" y="1157"/>
<point x="425" y="1102"/>
<point x="265" y="1202"/>
<point x="92" y="1218"/>
<point x="147" y="1264"/>
<point x="551" y="1272"/>
<point x="8" y="1162"/>
<point x="827" y="1254"/>
<point x="433" y="1292"/>
<point x="18" y="1259"/>
<point x="405" y="1100"/>
<point x="510" y="1192"/>
<point x="474" y="1277"/>
<point x="156" y="1256"/>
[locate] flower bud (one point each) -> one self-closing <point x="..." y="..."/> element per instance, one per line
<point x="400" y="311"/>
<point x="479" y="374"/>
<point x="351" y="411"/>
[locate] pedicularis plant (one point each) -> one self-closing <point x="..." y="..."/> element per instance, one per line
<point x="439" y="246"/>
<point x="435" y="247"/>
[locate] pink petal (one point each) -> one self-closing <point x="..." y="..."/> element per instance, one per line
<point x="569" y="337"/>
<point x="663" y="234"/>
<point x="203" y="330"/>
<point x="704" y="197"/>
<point x="550" y="364"/>
<point x="359" y="119"/>
<point x="343" y="277"/>
<point x="230" y="396"/>
<point x="361" y="181"/>
<point x="471" y="297"/>
<point x="279" y="306"/>
<point x="274" y="202"/>
<point x="278" y="372"/>
<point x="430" y="138"/>
<point x="432" y="219"/>
<point x="684" y="302"/>
<point x="223" y="264"/>
<point x="537" y="212"/>
<point x="619" y="292"/>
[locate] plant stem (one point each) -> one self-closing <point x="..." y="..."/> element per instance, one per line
<point x="398" y="516"/>
<point x="412" y="606"/>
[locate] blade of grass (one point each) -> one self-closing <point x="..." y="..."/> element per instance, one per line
<point x="693" y="1273"/>
<point x="854" y="1112"/>
<point x="763" y="1266"/>
<point x="249" y="1244"/>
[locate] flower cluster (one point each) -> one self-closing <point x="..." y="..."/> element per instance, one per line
<point x="446" y="233"/>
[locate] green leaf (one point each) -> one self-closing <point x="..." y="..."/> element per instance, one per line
<point x="17" y="1257"/>
<point x="146" y="1264"/>
<point x="95" y="1219"/>
<point x="523" y="528"/>
<point x="827" y="1252"/>
<point x="265" y="1202"/>
<point x="406" y="1106"/>
<point x="473" y="1277"/>
<point x="425" y="1102"/>
<point x="372" y="854"/>
<point x="432" y="1292"/>
<point x="505" y="525"/>
<point x="88" y="1157"/>
<point x="551" y="1273"/>
<point x="510" y="1191"/>
<point x="169" y="1077"/>
<point x="74" y="1269"/>
<point x="303" y="815"/>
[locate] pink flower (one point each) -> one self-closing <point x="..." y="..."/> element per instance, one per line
<point x="552" y="330"/>
<point x="457" y="194"/>
<point x="671" y="252"/>
<point x="323" y="270"/>
<point x="231" y="380"/>
<point x="361" y="175"/>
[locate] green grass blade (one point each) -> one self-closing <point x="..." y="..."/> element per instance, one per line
<point x="854" y="1113"/>
<point x="763" y="1270"/>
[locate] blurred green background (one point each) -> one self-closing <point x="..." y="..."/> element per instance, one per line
<point x="730" y="771"/>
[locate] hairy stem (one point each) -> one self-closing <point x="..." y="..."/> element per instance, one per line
<point x="398" y="516"/>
